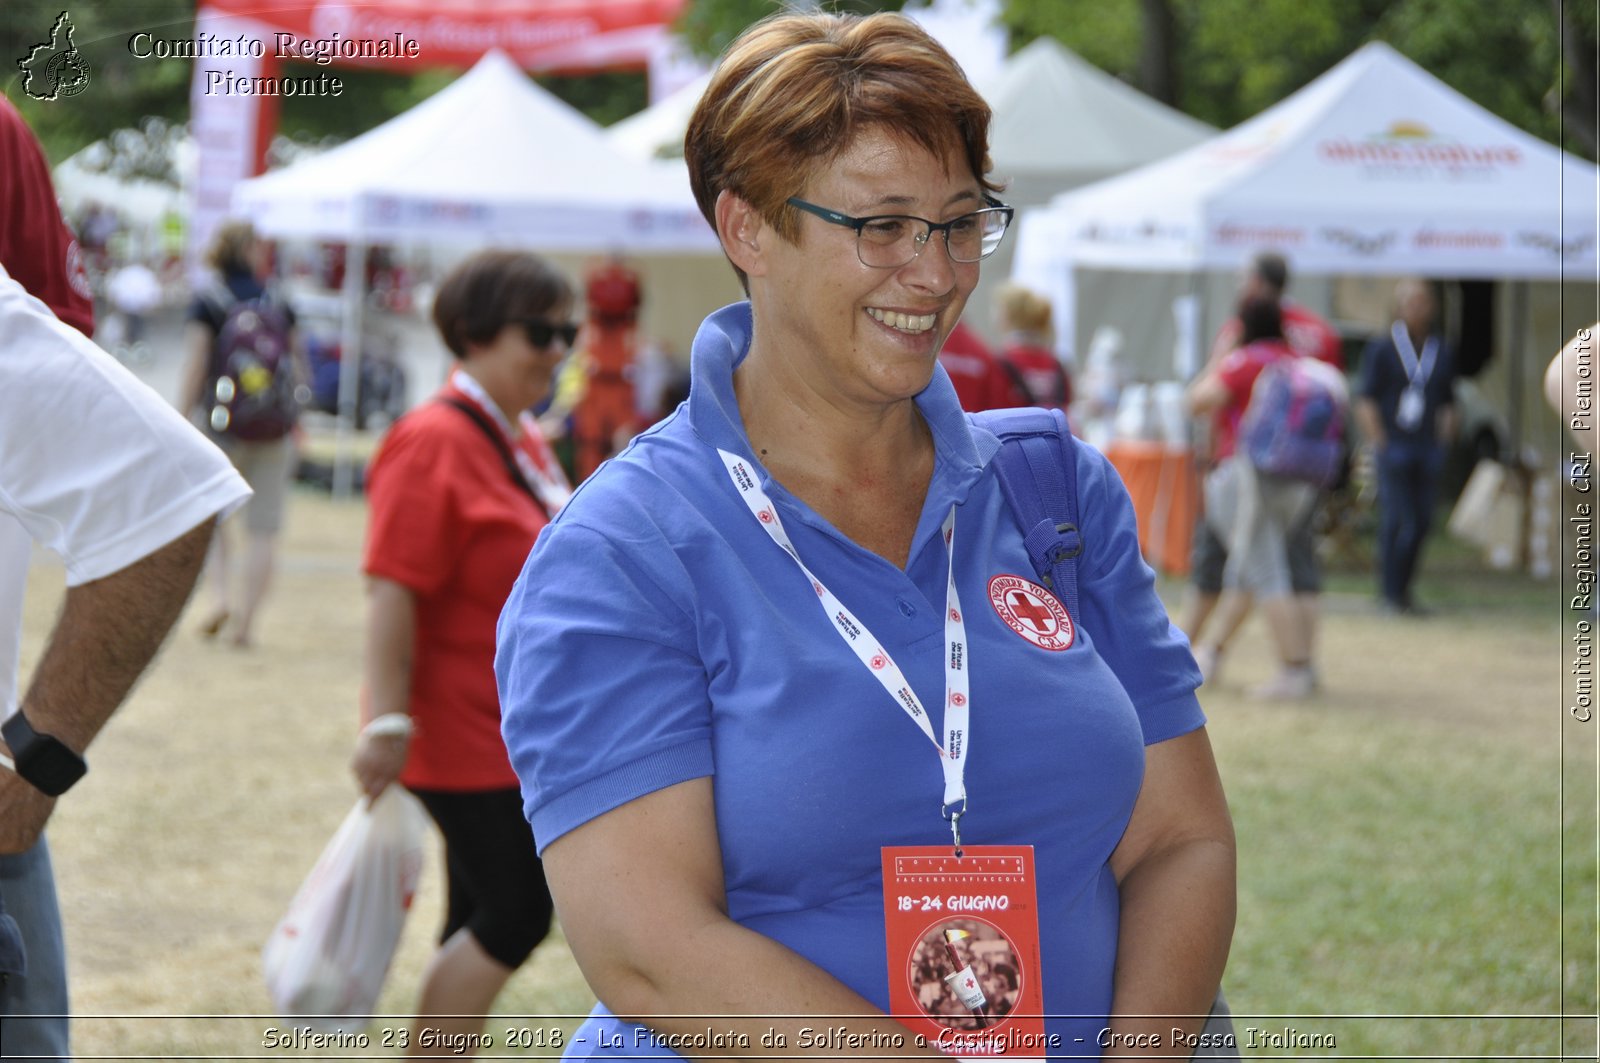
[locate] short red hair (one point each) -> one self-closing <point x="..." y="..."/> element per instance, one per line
<point x="794" y="90"/>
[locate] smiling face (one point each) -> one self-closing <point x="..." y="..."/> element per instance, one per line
<point x="859" y="333"/>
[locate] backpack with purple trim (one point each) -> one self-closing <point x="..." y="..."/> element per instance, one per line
<point x="252" y="371"/>
<point x="1293" y="426"/>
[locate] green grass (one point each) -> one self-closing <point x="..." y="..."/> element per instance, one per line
<point x="1398" y="863"/>
<point x="1387" y="871"/>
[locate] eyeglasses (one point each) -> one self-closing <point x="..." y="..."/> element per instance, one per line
<point x="542" y="333"/>
<point x="888" y="241"/>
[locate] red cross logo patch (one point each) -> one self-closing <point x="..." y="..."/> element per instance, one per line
<point x="1032" y="612"/>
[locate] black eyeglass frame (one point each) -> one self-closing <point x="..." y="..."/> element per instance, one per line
<point x="542" y="333"/>
<point x="834" y="217"/>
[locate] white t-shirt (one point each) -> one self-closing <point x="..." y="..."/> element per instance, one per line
<point x="94" y="466"/>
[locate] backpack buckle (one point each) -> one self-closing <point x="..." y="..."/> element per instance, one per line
<point x="1070" y="546"/>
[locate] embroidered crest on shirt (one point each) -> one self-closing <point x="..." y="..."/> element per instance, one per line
<point x="1032" y="612"/>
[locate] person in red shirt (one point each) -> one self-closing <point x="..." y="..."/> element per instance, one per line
<point x="1036" y="373"/>
<point x="1250" y="512"/>
<point x="1267" y="278"/>
<point x="981" y="382"/>
<point x="606" y="411"/>
<point x="459" y="489"/>
<point x="36" y="247"/>
<point x="1307" y="332"/>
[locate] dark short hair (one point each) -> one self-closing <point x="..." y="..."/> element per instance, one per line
<point x="793" y="92"/>
<point x="1260" y="319"/>
<point x="1273" y="269"/>
<point x="491" y="289"/>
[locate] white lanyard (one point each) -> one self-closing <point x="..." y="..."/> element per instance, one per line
<point x="876" y="659"/>
<point x="1417" y="370"/>
<point x="550" y="486"/>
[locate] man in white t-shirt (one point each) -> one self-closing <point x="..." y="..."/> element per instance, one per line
<point x="95" y="467"/>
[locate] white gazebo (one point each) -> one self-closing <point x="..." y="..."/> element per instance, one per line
<point x="1377" y="168"/>
<point x="491" y="157"/>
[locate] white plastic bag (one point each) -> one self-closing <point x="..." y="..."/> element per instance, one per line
<point x="328" y="957"/>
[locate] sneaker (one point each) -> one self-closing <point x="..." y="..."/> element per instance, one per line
<point x="1290" y="684"/>
<point x="1209" y="658"/>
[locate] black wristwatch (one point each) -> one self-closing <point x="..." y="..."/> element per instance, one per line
<point x="41" y="759"/>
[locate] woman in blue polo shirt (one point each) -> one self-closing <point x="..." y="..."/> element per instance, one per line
<point x="714" y="765"/>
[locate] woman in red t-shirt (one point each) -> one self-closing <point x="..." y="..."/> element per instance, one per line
<point x="1037" y="374"/>
<point x="1252" y="512"/>
<point x="458" y="491"/>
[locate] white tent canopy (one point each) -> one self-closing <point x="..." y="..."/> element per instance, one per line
<point x="1061" y="122"/>
<point x="491" y="157"/>
<point x="1377" y="167"/>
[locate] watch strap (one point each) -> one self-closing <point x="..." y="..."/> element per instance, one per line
<point x="43" y="760"/>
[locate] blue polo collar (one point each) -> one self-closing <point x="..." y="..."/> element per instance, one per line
<point x="722" y="342"/>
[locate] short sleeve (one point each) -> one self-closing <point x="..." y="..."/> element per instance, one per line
<point x="414" y="530"/>
<point x="203" y="312"/>
<point x="1238" y="371"/>
<point x="603" y="694"/>
<point x="1123" y="613"/>
<point x="110" y="472"/>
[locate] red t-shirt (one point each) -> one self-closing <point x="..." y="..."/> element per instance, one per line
<point x="36" y="246"/>
<point x="1306" y="332"/>
<point x="447" y="521"/>
<point x="982" y="383"/>
<point x="1238" y="371"/>
<point x="1042" y="374"/>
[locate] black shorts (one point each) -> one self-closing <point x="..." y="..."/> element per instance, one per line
<point x="494" y="876"/>
<point x="1208" y="556"/>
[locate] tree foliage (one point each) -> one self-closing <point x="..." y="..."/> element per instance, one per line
<point x="1233" y="58"/>
<point x="123" y="90"/>
<point x="709" y="26"/>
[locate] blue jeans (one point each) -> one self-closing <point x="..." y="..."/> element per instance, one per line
<point x="33" y="1003"/>
<point x="1408" y="483"/>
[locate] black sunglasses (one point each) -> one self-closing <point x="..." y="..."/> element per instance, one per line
<point x="542" y="333"/>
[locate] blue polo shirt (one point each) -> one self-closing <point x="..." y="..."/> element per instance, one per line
<point x="658" y="635"/>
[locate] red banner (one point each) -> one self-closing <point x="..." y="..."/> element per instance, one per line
<point x="542" y="36"/>
<point x="240" y="47"/>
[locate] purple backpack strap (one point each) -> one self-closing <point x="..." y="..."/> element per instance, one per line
<point x="1038" y="470"/>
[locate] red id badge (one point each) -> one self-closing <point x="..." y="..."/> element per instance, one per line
<point x="963" y="936"/>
